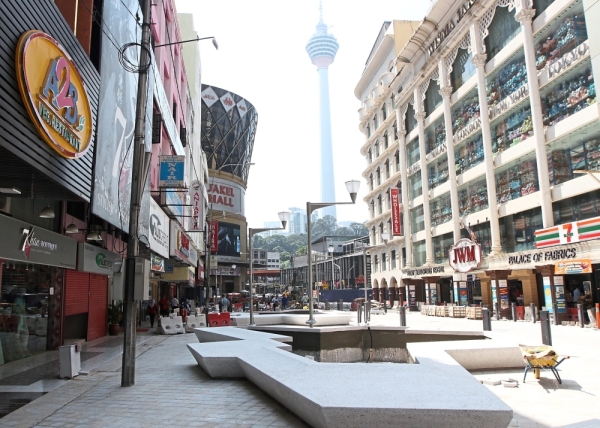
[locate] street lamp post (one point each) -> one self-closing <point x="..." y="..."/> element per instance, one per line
<point x="352" y="187"/>
<point x="348" y="276"/>
<point x="331" y="249"/>
<point x="284" y="217"/>
<point x="366" y="248"/>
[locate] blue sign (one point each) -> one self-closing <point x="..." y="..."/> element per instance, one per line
<point x="172" y="172"/>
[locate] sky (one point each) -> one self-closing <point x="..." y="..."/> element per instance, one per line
<point x="262" y="58"/>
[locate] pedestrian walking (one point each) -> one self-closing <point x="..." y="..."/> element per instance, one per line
<point x="163" y="305"/>
<point x="151" y="311"/>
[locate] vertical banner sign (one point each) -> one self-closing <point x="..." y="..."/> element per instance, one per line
<point x="412" y="295"/>
<point x="548" y="294"/>
<point x="559" y="290"/>
<point x="464" y="293"/>
<point x="196" y="197"/>
<point x="395" y="198"/>
<point x="494" y="293"/>
<point x="368" y="283"/>
<point x="503" y="290"/>
<point x="214" y="236"/>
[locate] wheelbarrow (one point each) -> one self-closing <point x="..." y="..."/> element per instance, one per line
<point x="541" y="358"/>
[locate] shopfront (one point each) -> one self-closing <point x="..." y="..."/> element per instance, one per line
<point x="33" y="263"/>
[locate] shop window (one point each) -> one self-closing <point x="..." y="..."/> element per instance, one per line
<point x="578" y="208"/>
<point x="417" y="219"/>
<point x="540" y="6"/>
<point x="419" y="253"/>
<point x="462" y="69"/>
<point x="483" y="234"/>
<point x="503" y="28"/>
<point x="433" y="98"/>
<point x="441" y="245"/>
<point x="567" y="33"/>
<point x="441" y="210"/>
<point x="516" y="181"/>
<point x="435" y="135"/>
<point x="438" y="171"/>
<point x="473" y="197"/>
<point x="510" y="131"/>
<point x="572" y="94"/>
<point x="416" y="185"/>
<point x="465" y="112"/>
<point x="411" y="120"/>
<point x="393" y="259"/>
<point x="569" y="156"/>
<point x="469" y="154"/>
<point x="517" y="231"/>
<point x="412" y="153"/>
<point x="506" y="80"/>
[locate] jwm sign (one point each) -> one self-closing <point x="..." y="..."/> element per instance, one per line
<point x="465" y="255"/>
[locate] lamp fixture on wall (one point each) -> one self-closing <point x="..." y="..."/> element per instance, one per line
<point x="72" y="228"/>
<point x="47" y="212"/>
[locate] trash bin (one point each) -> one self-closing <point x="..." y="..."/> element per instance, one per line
<point x="69" y="360"/>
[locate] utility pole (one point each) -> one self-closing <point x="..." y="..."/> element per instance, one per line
<point x="137" y="184"/>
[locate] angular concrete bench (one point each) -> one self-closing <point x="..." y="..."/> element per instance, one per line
<point x="367" y="395"/>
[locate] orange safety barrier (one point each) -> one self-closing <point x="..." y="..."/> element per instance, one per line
<point x="216" y="319"/>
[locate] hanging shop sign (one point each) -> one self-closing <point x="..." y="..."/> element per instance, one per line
<point x="569" y="233"/>
<point x="94" y="259"/>
<point x="573" y="267"/>
<point x="157" y="263"/>
<point x="159" y="230"/>
<point x="54" y="94"/>
<point x="423" y="271"/>
<point x="452" y="23"/>
<point x="225" y="195"/>
<point x="196" y="197"/>
<point x="214" y="236"/>
<point x="180" y="243"/>
<point x="172" y="172"/>
<point x="396" y="225"/>
<point x="465" y="255"/>
<point x="26" y="243"/>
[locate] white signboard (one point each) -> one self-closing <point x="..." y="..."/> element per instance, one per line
<point x="227" y="101"/>
<point x="159" y="230"/>
<point x="224" y="195"/>
<point x="196" y="199"/>
<point x="242" y="109"/>
<point x="209" y="97"/>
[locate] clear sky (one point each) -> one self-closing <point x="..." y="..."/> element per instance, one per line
<point x="262" y="58"/>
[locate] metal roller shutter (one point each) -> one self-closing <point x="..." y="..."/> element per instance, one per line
<point x="77" y="285"/>
<point x="97" y="318"/>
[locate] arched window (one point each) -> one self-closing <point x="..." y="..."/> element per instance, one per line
<point x="395" y="130"/>
<point x="381" y="232"/>
<point x="397" y="160"/>
<point x="384" y="111"/>
<point x="378" y="176"/>
<point x="368" y="131"/>
<point x="370" y="156"/>
<point x="411" y="120"/>
<point x="433" y="98"/>
<point x="462" y="69"/>
<point x="377" y="149"/>
<point x="386" y="141"/>
<point x="379" y="205"/>
<point x="387" y="169"/>
<point x="503" y="29"/>
<point x="372" y="209"/>
<point x="371" y="186"/>
<point x="388" y="203"/>
<point x="399" y="186"/>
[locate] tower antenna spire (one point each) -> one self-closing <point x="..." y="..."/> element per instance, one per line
<point x="320" y="11"/>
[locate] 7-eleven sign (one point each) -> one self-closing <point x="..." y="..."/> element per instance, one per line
<point x="568" y="233"/>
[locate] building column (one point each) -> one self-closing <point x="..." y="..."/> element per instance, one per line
<point x="376" y="294"/>
<point x="392" y="295"/>
<point x="524" y="17"/>
<point x="479" y="60"/>
<point x="446" y="93"/>
<point x="404" y="180"/>
<point x="420" y="115"/>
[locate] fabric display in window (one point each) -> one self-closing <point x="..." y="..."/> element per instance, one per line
<point x="570" y="33"/>
<point x="569" y="97"/>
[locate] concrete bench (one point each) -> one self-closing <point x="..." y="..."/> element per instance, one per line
<point x="409" y="395"/>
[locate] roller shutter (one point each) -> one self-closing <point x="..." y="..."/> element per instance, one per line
<point x="77" y="285"/>
<point x="97" y="318"/>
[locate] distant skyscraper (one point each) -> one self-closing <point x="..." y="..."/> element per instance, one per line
<point x="321" y="49"/>
<point x="297" y="223"/>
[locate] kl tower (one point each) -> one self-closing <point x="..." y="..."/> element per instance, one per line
<point x="321" y="49"/>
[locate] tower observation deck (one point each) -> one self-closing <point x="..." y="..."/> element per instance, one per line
<point x="322" y="48"/>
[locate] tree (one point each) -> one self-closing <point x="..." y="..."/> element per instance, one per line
<point x="359" y="229"/>
<point x="324" y="226"/>
<point x="302" y="251"/>
<point x="344" y="231"/>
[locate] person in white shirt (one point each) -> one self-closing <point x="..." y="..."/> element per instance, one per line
<point x="174" y="304"/>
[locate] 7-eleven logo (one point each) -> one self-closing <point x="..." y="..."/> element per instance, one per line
<point x="568" y="233"/>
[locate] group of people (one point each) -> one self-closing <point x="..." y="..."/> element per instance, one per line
<point x="275" y="303"/>
<point x="164" y="307"/>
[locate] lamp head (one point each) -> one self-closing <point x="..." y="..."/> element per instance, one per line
<point x="284" y="216"/>
<point x="47" y="212"/>
<point x="352" y="186"/>
<point x="215" y="44"/>
<point x="331" y="248"/>
<point x="385" y="236"/>
<point x="72" y="228"/>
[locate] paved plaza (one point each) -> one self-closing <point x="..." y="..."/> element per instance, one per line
<point x="172" y="389"/>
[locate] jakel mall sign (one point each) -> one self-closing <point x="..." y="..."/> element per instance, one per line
<point x="54" y="94"/>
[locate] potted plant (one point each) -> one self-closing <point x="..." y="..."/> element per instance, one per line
<point x="115" y="313"/>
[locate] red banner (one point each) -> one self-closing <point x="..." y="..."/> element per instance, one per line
<point x="395" y="199"/>
<point x="214" y="237"/>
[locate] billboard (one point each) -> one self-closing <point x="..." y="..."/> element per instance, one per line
<point x="229" y="240"/>
<point x="118" y="93"/>
<point x="224" y="195"/>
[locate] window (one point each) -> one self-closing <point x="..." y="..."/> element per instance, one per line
<point x="378" y="176"/>
<point x="384" y="111"/>
<point x="462" y="69"/>
<point x="417" y="219"/>
<point x="386" y="141"/>
<point x="379" y="206"/>
<point x="419" y="253"/>
<point x="370" y="156"/>
<point x="383" y="262"/>
<point x="517" y="231"/>
<point x="433" y="98"/>
<point x="388" y="203"/>
<point x="393" y="259"/>
<point x="540" y="6"/>
<point x="371" y="186"/>
<point x="375" y="122"/>
<point x="377" y="149"/>
<point x="503" y="28"/>
<point x="381" y="232"/>
<point x="376" y="263"/>
<point x="411" y="120"/>
<point x="372" y="209"/>
<point x="441" y="245"/>
<point x="397" y="160"/>
<point x="395" y="130"/>
<point x="412" y="153"/>
<point x="416" y="185"/>
<point x="387" y="169"/>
